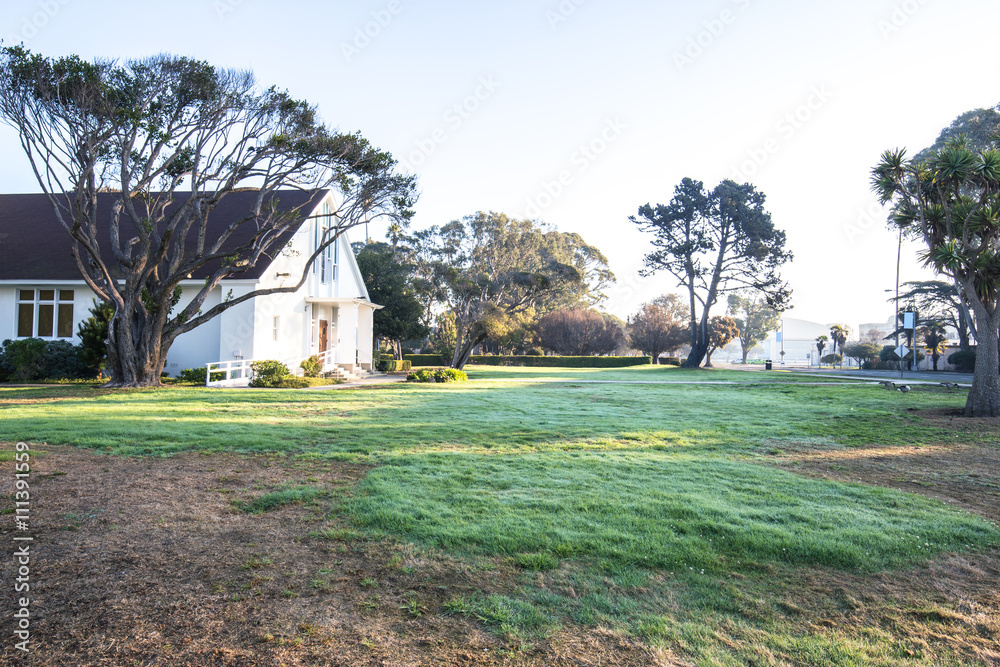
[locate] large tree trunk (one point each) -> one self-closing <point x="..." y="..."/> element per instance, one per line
<point x="984" y="397"/>
<point x="708" y="359"/>
<point x="699" y="344"/>
<point x="136" y="352"/>
<point x="465" y="343"/>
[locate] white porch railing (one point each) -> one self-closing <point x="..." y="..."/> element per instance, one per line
<point x="237" y="373"/>
<point x="327" y="360"/>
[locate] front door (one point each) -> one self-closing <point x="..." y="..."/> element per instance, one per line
<point x="324" y="330"/>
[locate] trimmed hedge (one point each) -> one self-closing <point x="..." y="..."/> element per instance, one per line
<point x="437" y="375"/>
<point x="427" y="359"/>
<point x="387" y="364"/>
<point x="531" y="360"/>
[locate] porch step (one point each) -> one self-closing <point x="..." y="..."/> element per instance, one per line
<point x="348" y="372"/>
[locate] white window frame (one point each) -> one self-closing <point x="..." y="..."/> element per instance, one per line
<point x="57" y="303"/>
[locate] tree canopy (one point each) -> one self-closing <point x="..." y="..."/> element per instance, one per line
<point x="655" y="329"/>
<point x="754" y="319"/>
<point x="170" y="138"/>
<point x="580" y="332"/>
<point x="488" y="267"/>
<point x="388" y="277"/>
<point x="714" y="242"/>
<point x="862" y="352"/>
<point x="940" y="301"/>
<point x="722" y="330"/>
<point x="952" y="199"/>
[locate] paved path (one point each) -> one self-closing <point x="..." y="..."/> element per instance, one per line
<point x="380" y="379"/>
<point x="694" y="382"/>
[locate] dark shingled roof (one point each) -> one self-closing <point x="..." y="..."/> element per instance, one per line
<point x="33" y="246"/>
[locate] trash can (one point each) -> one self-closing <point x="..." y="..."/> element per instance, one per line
<point x="767" y="364"/>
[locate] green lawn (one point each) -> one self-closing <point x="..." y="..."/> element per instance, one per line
<point x="647" y="373"/>
<point x="645" y="500"/>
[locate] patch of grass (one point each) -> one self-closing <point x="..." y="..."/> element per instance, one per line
<point x="255" y="563"/>
<point x="656" y="510"/>
<point x="537" y="562"/>
<point x="506" y="615"/>
<point x="275" y="499"/>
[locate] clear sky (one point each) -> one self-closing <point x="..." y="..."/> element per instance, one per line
<point x="577" y="112"/>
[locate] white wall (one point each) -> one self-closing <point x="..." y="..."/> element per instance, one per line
<point x="197" y="347"/>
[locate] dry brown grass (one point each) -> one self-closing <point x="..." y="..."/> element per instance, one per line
<point x="144" y="561"/>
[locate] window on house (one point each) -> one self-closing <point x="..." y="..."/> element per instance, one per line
<point x="45" y="313"/>
<point x="327" y="260"/>
<point x="275" y="325"/>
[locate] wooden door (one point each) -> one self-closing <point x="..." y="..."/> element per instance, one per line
<point x="324" y="330"/>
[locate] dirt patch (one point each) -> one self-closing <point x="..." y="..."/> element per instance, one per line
<point x="954" y="601"/>
<point x="146" y="561"/>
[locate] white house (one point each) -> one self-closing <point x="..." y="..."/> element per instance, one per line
<point x="42" y="294"/>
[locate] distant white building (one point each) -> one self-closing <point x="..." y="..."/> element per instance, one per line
<point x="42" y="294"/>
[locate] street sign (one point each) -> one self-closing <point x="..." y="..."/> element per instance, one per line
<point x="902" y="351"/>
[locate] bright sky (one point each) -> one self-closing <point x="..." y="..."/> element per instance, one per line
<point x="577" y="112"/>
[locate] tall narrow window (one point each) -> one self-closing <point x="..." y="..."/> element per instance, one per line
<point x="316" y="226"/>
<point x="46" y="312"/>
<point x="275" y="326"/>
<point x="25" y="313"/>
<point x="64" y="325"/>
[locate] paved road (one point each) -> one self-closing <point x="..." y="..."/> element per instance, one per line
<point x="855" y="374"/>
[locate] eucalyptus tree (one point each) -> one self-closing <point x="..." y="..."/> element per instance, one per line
<point x="135" y="157"/>
<point x="488" y="267"/>
<point x="714" y="243"/>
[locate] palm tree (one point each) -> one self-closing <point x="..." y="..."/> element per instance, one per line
<point x="839" y="335"/>
<point x="936" y="340"/>
<point x="820" y="346"/>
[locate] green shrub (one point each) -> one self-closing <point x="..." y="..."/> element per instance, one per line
<point x="61" y="359"/>
<point x="197" y="375"/>
<point x="268" y="373"/>
<point x="963" y="360"/>
<point x="670" y="361"/>
<point x="33" y="359"/>
<point x="534" y="361"/>
<point x="92" y="333"/>
<point x="437" y="375"/>
<point x="312" y="366"/>
<point x="832" y="359"/>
